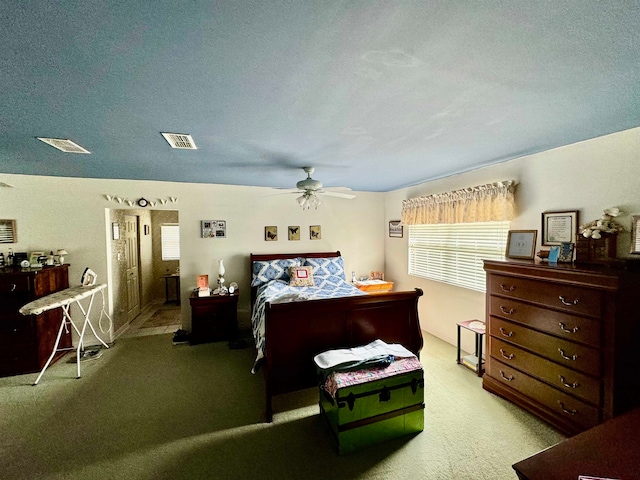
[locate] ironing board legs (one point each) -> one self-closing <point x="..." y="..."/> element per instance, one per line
<point x="84" y="328"/>
<point x="67" y="318"/>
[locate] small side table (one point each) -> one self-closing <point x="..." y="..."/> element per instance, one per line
<point x="214" y="318"/>
<point x="175" y="277"/>
<point x="473" y="362"/>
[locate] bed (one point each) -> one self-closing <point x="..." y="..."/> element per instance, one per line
<point x="290" y="330"/>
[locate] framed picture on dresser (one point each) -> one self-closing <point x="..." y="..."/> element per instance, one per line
<point x="521" y="244"/>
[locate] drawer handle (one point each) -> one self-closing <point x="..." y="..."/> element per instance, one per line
<point x="568" y="303"/>
<point x="504" y="332"/>
<point x="507" y="289"/>
<point x="505" y="311"/>
<point x="564" y="355"/>
<point x="504" y="355"/>
<point x="568" y="412"/>
<point x="508" y="379"/>
<point x="564" y="328"/>
<point x="13" y="287"/>
<point x="568" y="385"/>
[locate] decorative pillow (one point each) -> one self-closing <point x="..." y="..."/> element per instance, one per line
<point x="300" y="277"/>
<point x="267" y="270"/>
<point x="326" y="266"/>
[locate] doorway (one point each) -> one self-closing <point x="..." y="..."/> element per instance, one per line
<point x="136" y="266"/>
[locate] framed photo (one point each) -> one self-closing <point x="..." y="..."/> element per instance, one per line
<point x="559" y="227"/>
<point x="521" y="243"/>
<point x="315" y="232"/>
<point x="115" y="231"/>
<point x="395" y="228"/>
<point x="293" y="232"/>
<point x="8" y="233"/>
<point x="34" y="257"/>
<point x="214" y="228"/>
<point x="271" y="234"/>
<point x="554" y="254"/>
<point x="565" y="252"/>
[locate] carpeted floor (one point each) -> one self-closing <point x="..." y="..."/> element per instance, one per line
<point x="164" y="316"/>
<point x="147" y="409"/>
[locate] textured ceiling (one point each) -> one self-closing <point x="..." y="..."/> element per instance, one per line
<point x="377" y="95"/>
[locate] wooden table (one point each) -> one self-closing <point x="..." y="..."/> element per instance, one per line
<point x="610" y="450"/>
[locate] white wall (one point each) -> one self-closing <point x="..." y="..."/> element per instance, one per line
<point x="54" y="212"/>
<point x="588" y="176"/>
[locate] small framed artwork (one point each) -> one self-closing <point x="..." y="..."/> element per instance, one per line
<point x="395" y="229"/>
<point x="34" y="257"/>
<point x="559" y="227"/>
<point x="554" y="254"/>
<point x="115" y="231"/>
<point x="521" y="243"/>
<point x="214" y="228"/>
<point x="8" y="233"/>
<point x="147" y="230"/>
<point x="271" y="234"/>
<point x="293" y="232"/>
<point x="315" y="232"/>
<point x="565" y="252"/>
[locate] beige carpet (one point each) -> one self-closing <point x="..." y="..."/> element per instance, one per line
<point x="149" y="410"/>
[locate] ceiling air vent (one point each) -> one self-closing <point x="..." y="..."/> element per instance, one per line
<point x="180" y="140"/>
<point x="64" y="145"/>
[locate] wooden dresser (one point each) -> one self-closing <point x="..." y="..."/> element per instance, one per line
<point x="562" y="340"/>
<point x="26" y="342"/>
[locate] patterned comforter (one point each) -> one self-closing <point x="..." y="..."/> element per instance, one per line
<point x="279" y="291"/>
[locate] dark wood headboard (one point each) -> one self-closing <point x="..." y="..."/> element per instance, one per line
<point x="253" y="257"/>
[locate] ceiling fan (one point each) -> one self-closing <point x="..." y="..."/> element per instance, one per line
<point x="310" y="190"/>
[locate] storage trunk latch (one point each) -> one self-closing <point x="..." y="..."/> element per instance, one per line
<point x="385" y="395"/>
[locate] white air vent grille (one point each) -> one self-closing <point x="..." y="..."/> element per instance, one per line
<point x="180" y="140"/>
<point x="64" y="145"/>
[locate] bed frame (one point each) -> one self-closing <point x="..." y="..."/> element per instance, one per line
<point x="297" y="331"/>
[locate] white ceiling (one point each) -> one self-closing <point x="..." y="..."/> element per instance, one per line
<point x="377" y="95"/>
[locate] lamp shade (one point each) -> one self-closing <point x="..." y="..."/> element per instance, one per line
<point x="62" y="251"/>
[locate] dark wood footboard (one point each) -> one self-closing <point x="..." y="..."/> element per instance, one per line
<point x="298" y="331"/>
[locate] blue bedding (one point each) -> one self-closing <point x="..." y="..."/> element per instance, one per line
<point x="279" y="291"/>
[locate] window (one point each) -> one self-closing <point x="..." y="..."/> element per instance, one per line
<point x="453" y="253"/>
<point x="170" y="234"/>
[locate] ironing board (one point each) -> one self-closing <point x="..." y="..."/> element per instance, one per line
<point x="64" y="299"/>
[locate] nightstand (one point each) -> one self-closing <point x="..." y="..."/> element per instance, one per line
<point x="213" y="318"/>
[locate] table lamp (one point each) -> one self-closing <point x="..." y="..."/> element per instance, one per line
<point x="61" y="253"/>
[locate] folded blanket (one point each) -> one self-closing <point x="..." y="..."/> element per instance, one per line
<point x="376" y="352"/>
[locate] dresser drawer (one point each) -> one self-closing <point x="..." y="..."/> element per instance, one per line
<point x="14" y="284"/>
<point x="575" y="411"/>
<point x="572" y="355"/>
<point x="563" y="378"/>
<point x="569" y="298"/>
<point x="16" y="331"/>
<point x="560" y="324"/>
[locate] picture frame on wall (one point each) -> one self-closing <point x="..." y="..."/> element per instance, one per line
<point x="521" y="244"/>
<point x="214" y="228"/>
<point x="559" y="227"/>
<point x="293" y="232"/>
<point x="8" y="232"/>
<point x="315" y="232"/>
<point x="271" y="233"/>
<point x="395" y="228"/>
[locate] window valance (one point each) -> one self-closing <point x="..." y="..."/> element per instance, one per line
<point x="484" y="203"/>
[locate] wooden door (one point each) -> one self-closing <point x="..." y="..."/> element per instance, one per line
<point x="132" y="266"/>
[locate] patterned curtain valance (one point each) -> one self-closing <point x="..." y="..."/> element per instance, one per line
<point x="484" y="203"/>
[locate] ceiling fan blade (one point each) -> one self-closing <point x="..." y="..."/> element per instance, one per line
<point x="330" y="193"/>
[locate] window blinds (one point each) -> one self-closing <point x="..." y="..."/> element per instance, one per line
<point x="453" y="253"/>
